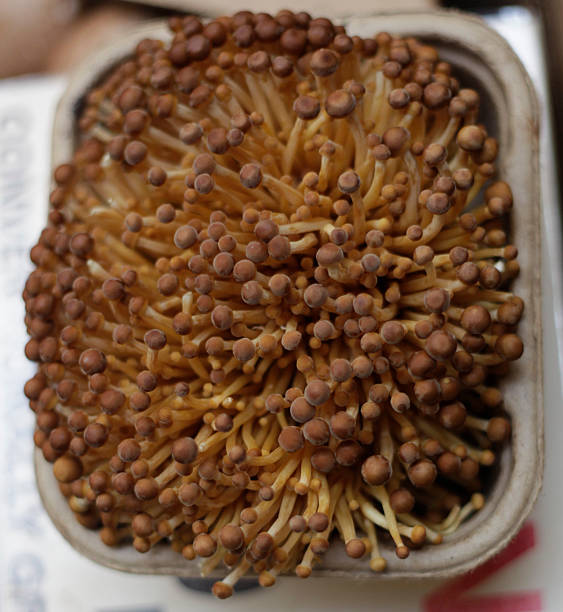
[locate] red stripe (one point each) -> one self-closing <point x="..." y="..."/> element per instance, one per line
<point x="526" y="601"/>
<point x="448" y="597"/>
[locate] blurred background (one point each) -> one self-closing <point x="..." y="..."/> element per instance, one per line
<point x="41" y="42"/>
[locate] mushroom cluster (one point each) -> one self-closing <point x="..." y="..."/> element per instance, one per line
<point x="271" y="301"/>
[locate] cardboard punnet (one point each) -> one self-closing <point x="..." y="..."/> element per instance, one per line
<point x="482" y="60"/>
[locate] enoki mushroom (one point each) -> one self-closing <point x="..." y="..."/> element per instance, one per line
<point x="271" y="302"/>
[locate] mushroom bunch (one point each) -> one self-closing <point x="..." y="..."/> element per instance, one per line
<point x="271" y="301"/>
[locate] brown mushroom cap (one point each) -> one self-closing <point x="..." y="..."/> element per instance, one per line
<point x="376" y="470"/>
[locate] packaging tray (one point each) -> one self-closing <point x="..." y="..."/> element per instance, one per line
<point x="483" y="60"/>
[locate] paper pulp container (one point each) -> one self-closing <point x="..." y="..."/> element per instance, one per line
<point x="482" y="60"/>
